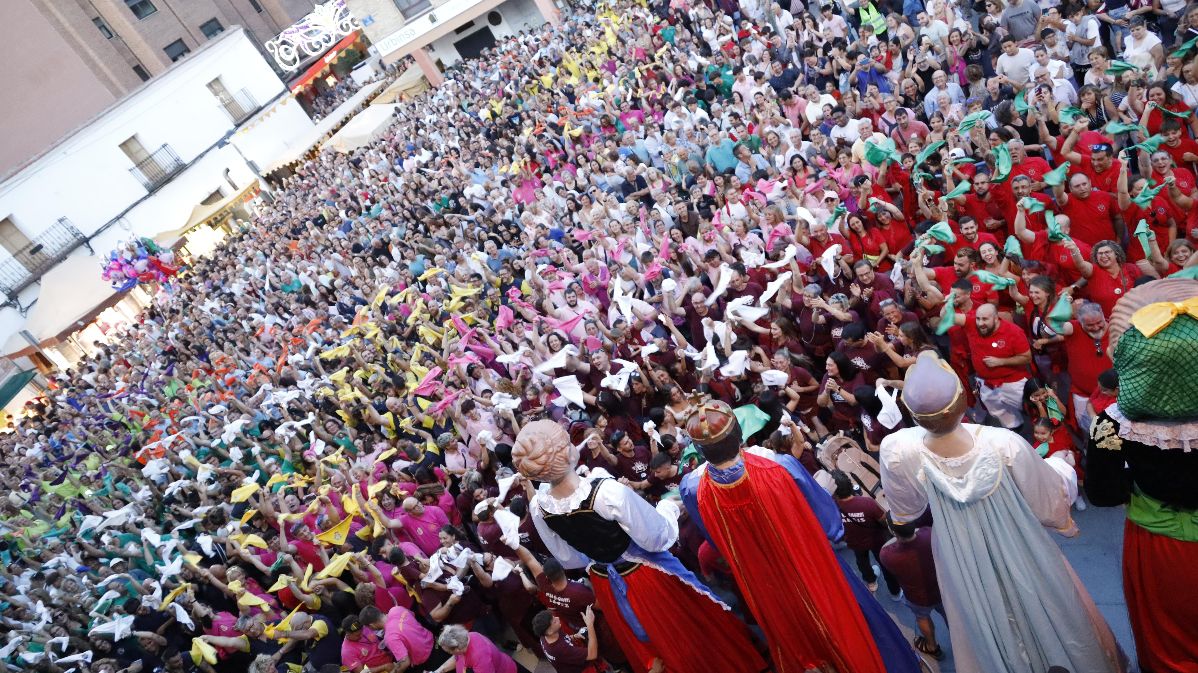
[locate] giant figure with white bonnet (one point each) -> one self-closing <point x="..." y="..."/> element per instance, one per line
<point x="657" y="609"/>
<point x="1013" y="602"/>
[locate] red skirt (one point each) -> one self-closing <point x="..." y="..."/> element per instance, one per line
<point x="1161" y="601"/>
<point x="688" y="631"/>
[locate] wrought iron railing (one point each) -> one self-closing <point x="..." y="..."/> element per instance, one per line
<point x="158" y="168"/>
<point x="29" y="263"/>
<point x="239" y="106"/>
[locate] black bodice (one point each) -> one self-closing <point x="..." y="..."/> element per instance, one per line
<point x="600" y="539"/>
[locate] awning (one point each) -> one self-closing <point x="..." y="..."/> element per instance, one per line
<point x="325" y="62"/>
<point x="411" y="82"/>
<point x="366" y="127"/>
<point x="71" y="295"/>
<point x="322" y="129"/>
<point x="206" y="213"/>
<point x="15" y="384"/>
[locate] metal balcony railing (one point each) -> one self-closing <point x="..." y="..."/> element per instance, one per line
<point x="239" y="106"/>
<point x="158" y="168"/>
<point x="29" y="263"/>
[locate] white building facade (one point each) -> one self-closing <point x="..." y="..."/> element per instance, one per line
<point x="196" y="134"/>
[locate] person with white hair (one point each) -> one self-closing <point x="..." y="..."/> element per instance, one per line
<point x="471" y="651"/>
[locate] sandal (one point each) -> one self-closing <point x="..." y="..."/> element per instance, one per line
<point x="921" y="644"/>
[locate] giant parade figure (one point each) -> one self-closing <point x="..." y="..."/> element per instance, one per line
<point x="657" y="609"/>
<point x="1012" y="601"/>
<point x="1143" y="452"/>
<point x="773" y="522"/>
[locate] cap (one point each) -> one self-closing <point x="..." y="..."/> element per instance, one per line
<point x="831" y="195"/>
<point x="710" y="422"/>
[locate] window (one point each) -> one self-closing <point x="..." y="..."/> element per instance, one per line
<point x="141" y="8"/>
<point x="141" y="72"/>
<point x="103" y="28"/>
<point x="176" y="50"/>
<point x="134" y="150"/>
<point x="256" y="6"/>
<point x="211" y="28"/>
<point x="12" y="238"/>
<point x="412" y="8"/>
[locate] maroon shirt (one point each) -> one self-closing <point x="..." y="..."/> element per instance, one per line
<point x="864" y="522"/>
<point x="635" y="467"/>
<point x="567" y="654"/>
<point x="911" y="562"/>
<point x="567" y="604"/>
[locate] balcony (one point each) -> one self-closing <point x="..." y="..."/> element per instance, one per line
<point x="39" y="256"/>
<point x="158" y="168"/>
<point x="239" y="106"/>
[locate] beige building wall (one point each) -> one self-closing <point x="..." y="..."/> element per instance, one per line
<point x="53" y="89"/>
<point x="387" y="18"/>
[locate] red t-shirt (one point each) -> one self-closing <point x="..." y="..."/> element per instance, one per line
<point x="1160" y="213"/>
<point x="1061" y="266"/>
<point x="1105" y="289"/>
<point x="1033" y="167"/>
<point x="1092" y="219"/>
<point x="1006" y="341"/>
<point x="982" y="293"/>
<point x="1087" y="359"/>
<point x="983" y="237"/>
<point x="1108" y="180"/>
<point x="1183" y="147"/>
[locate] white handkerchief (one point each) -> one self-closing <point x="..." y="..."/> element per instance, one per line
<point x="570" y="391"/>
<point x="721" y="285"/>
<point x="828" y="259"/>
<point x="649" y="349"/>
<point x="787" y="255"/>
<point x="774" y="377"/>
<point x="512" y="358"/>
<point x="509" y="525"/>
<point x="501" y="569"/>
<point x="741" y="309"/>
<point x="617" y="381"/>
<point x="752" y="258"/>
<point x="891" y="415"/>
<point x="772" y="288"/>
<point x="182" y="616"/>
<point x="119" y="628"/>
<point x="710" y="360"/>
<point x="505" y="485"/>
<point x="557" y="360"/>
<point x="503" y="401"/>
<point x="737" y="363"/>
<point x="206" y="544"/>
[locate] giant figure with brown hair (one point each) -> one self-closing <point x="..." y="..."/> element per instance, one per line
<point x="773" y="524"/>
<point x="656" y="608"/>
<point x="1012" y="601"/>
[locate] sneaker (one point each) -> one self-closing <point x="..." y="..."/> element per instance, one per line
<point x="1080" y="503"/>
<point x="872" y="586"/>
<point x="897" y="597"/>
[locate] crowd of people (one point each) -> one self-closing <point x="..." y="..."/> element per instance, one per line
<point x="300" y="457"/>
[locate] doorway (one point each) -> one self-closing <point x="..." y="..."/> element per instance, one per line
<point x="473" y="44"/>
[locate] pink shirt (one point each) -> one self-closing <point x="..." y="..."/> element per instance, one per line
<point x="422" y="530"/>
<point x="405" y="637"/>
<point x="366" y="652"/>
<point x="482" y="656"/>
